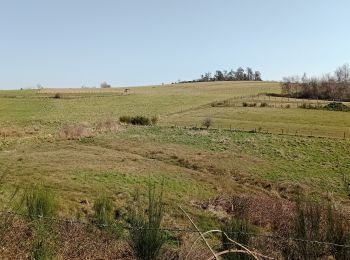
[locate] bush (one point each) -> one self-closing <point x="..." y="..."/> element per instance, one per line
<point x="57" y="95"/>
<point x="146" y="237"/>
<point x="207" y="122"/>
<point x="135" y="120"/>
<point x="337" y="106"/>
<point x="125" y="119"/>
<point x="40" y="203"/>
<point x="245" y="104"/>
<point x="140" y="120"/>
<point x="263" y="104"/>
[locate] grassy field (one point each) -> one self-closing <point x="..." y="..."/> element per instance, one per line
<point x="275" y="151"/>
<point x="196" y="164"/>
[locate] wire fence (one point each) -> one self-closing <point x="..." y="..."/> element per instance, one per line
<point x="267" y="131"/>
<point x="176" y="230"/>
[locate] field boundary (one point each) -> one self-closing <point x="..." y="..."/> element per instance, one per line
<point x="183" y="230"/>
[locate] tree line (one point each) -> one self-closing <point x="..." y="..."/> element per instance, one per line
<point x="232" y="75"/>
<point x="330" y="86"/>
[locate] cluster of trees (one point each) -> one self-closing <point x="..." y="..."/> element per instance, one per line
<point x="239" y="74"/>
<point x="232" y="75"/>
<point x="334" y="86"/>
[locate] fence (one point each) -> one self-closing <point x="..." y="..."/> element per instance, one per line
<point x="267" y="240"/>
<point x="283" y="131"/>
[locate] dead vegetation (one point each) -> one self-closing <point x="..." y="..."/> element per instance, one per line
<point x="108" y="125"/>
<point x="76" y="132"/>
<point x="85" y="130"/>
<point x="75" y="241"/>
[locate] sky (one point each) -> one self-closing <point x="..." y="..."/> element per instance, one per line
<point x="74" y="43"/>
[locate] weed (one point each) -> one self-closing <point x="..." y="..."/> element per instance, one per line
<point x="103" y="211"/>
<point x="40" y="251"/>
<point x="337" y="233"/>
<point x="146" y="237"/>
<point x="313" y="222"/>
<point x="239" y="230"/>
<point x="40" y="203"/>
<point x="103" y="217"/>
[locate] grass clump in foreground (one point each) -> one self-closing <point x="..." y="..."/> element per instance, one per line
<point x="146" y="237"/>
<point x="41" y="208"/>
<point x="239" y="230"/>
<point x="314" y="222"/>
<point x="103" y="217"/>
<point x="40" y="203"/>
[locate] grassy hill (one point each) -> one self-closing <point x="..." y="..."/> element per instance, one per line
<point x="196" y="165"/>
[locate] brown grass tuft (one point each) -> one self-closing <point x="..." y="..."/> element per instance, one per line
<point x="75" y="132"/>
<point x="108" y="125"/>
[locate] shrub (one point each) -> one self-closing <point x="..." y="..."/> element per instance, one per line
<point x="154" y="120"/>
<point x="140" y="120"/>
<point x="146" y="237"/>
<point x="57" y="95"/>
<point x="135" y="120"/>
<point x="207" y="122"/>
<point x="337" y="106"/>
<point x="263" y="104"/>
<point x="40" y="203"/>
<point x="125" y="119"/>
<point x="245" y="104"/>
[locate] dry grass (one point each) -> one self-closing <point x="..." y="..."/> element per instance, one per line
<point x="76" y="132"/>
<point x="75" y="242"/>
<point x="108" y="125"/>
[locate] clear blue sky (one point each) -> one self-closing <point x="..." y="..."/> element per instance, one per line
<point x="67" y="43"/>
